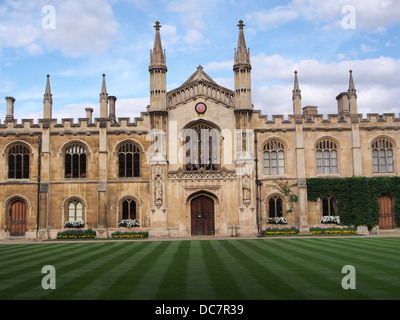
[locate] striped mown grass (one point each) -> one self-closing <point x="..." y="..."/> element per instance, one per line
<point x="237" y="269"/>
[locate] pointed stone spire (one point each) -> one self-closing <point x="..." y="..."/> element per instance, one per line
<point x="352" y="96"/>
<point x="352" y="90"/>
<point x="296" y="97"/>
<point x="242" y="70"/>
<point x="103" y="99"/>
<point x="242" y="54"/>
<point x="157" y="55"/>
<point x="296" y="90"/>
<point x="158" y="74"/>
<point x="47" y="100"/>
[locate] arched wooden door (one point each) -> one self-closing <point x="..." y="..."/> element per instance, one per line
<point x="386" y="215"/>
<point x="202" y="216"/>
<point x="18" y="218"/>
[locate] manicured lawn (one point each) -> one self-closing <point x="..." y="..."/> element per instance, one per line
<point x="237" y="269"/>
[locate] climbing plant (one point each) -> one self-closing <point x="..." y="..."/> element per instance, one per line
<point x="287" y="191"/>
<point x="357" y="197"/>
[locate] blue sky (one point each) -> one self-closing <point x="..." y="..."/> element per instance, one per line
<point x="322" y="40"/>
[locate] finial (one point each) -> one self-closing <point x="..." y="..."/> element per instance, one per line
<point x="157" y="26"/>
<point x="200" y="67"/>
<point x="241" y="25"/>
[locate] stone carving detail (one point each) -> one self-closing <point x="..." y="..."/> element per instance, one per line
<point x="202" y="174"/>
<point x="246" y="186"/>
<point x="158" y="185"/>
<point x="158" y="191"/>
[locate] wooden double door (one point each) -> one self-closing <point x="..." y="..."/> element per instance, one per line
<point x="18" y="218"/>
<point x="202" y="216"/>
<point x="386" y="212"/>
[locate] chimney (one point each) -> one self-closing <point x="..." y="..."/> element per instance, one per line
<point x="89" y="112"/>
<point x="111" y="107"/>
<point x="309" y="111"/>
<point x="342" y="103"/>
<point x="10" y="109"/>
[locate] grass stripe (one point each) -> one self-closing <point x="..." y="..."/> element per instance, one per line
<point x="285" y="274"/>
<point x="149" y="284"/>
<point x="128" y="280"/>
<point x="29" y="273"/>
<point x="37" y="252"/>
<point x="198" y="286"/>
<point x="111" y="271"/>
<point x="222" y="281"/>
<point x="322" y="273"/>
<point x="174" y="282"/>
<point x="372" y="281"/>
<point x="72" y="278"/>
<point x="252" y="274"/>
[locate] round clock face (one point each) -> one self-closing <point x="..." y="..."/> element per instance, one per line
<point x="200" y="107"/>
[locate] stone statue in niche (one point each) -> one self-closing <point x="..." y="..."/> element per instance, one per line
<point x="158" y="191"/>
<point x="246" y="185"/>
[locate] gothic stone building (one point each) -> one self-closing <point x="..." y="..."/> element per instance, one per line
<point x="189" y="165"/>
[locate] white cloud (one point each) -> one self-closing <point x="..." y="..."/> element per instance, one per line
<point x="81" y="27"/>
<point x="373" y="15"/>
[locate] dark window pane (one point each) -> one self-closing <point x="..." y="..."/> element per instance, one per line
<point x="26" y="166"/>
<point x="11" y="166"/>
<point x="125" y="210"/>
<point x="18" y="166"/>
<point x="68" y="163"/>
<point x="136" y="165"/>
<point x="129" y="165"/>
<point x="82" y="165"/>
<point x="75" y="165"/>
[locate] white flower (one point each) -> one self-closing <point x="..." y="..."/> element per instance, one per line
<point x="129" y="223"/>
<point x="330" y="219"/>
<point x="74" y="224"/>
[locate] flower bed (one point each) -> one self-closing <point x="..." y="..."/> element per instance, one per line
<point x="129" y="235"/>
<point x="280" y="232"/>
<point x="332" y="231"/>
<point x="76" y="234"/>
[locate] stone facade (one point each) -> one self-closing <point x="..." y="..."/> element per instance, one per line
<point x="189" y="164"/>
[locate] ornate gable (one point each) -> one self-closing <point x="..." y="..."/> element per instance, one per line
<point x="199" y="84"/>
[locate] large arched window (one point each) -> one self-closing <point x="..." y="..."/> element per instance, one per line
<point x="18" y="162"/>
<point x="327" y="157"/>
<point x="382" y="156"/>
<point x="128" y="209"/>
<point x="128" y="160"/>
<point x="202" y="148"/>
<point x="75" y="161"/>
<point x="274" y="158"/>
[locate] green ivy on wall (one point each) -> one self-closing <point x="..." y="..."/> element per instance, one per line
<point x="357" y="197"/>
